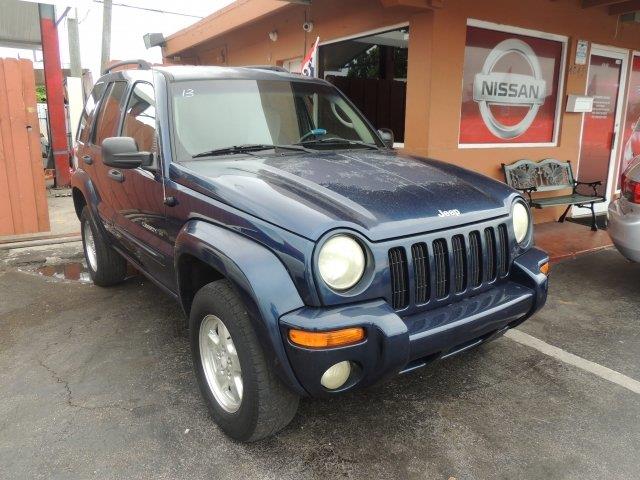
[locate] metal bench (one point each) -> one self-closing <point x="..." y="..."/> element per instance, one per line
<point x="551" y="175"/>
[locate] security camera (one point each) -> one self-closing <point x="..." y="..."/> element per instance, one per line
<point x="273" y="36"/>
<point x="307" y="26"/>
<point x="153" y="40"/>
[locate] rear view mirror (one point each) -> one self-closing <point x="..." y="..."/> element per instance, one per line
<point x="386" y="134"/>
<point x="122" y="152"/>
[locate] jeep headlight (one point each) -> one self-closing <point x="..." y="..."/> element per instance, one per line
<point x="521" y="221"/>
<point x="341" y="262"/>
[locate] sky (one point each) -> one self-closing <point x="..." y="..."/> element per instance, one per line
<point x="128" y="26"/>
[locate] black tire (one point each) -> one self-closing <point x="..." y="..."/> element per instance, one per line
<point x="267" y="406"/>
<point x="110" y="268"/>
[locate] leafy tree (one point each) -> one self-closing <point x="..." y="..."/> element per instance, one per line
<point x="41" y="94"/>
<point x="401" y="61"/>
<point x="367" y="63"/>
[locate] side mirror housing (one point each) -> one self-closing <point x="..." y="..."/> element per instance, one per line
<point x="386" y="134"/>
<point x="122" y="152"/>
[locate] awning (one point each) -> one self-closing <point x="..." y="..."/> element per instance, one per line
<point x="19" y="24"/>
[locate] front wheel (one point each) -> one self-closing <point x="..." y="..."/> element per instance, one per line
<point x="106" y="266"/>
<point x="244" y="396"/>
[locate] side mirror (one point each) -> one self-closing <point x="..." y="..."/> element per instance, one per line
<point x="386" y="134"/>
<point x="122" y="152"/>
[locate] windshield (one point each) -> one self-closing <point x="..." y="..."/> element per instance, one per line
<point x="217" y="114"/>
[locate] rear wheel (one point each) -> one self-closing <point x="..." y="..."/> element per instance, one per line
<point x="244" y="396"/>
<point x="105" y="265"/>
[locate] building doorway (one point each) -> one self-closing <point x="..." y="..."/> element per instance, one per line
<point x="371" y="69"/>
<point x="601" y="127"/>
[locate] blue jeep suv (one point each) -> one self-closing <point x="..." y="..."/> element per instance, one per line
<point x="309" y="256"/>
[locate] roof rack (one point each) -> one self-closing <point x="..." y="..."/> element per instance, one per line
<point x="143" y="64"/>
<point x="272" y="68"/>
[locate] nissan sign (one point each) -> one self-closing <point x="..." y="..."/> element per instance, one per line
<point x="509" y="88"/>
<point x="490" y="87"/>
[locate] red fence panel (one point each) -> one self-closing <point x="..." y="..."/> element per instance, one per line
<point x="23" y="202"/>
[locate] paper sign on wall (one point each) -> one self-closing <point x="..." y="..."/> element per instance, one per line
<point x="582" y="49"/>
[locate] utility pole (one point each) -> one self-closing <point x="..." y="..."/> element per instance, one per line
<point x="75" y="90"/>
<point x="74" y="47"/>
<point x="106" y="35"/>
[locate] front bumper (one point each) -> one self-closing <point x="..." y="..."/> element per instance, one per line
<point x="397" y="344"/>
<point x="624" y="228"/>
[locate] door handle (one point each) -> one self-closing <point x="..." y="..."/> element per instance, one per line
<point x="116" y="175"/>
<point x="87" y="159"/>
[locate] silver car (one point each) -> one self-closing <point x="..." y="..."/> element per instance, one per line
<point x="624" y="215"/>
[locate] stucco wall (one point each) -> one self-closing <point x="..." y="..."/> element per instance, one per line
<point x="436" y="55"/>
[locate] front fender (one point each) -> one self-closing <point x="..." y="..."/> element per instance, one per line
<point x="82" y="182"/>
<point x="256" y="274"/>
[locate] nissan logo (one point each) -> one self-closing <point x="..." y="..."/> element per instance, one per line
<point x="503" y="88"/>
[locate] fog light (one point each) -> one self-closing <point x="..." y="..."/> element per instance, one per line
<point x="336" y="375"/>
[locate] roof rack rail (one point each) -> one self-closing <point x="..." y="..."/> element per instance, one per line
<point x="272" y="68"/>
<point x="143" y="64"/>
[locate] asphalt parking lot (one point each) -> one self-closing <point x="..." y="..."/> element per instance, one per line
<point x="97" y="383"/>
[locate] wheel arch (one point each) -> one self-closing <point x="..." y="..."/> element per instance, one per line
<point x="193" y="273"/>
<point x="83" y="193"/>
<point x="254" y="272"/>
<point x="79" y="202"/>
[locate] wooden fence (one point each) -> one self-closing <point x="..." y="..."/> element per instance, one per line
<point x="23" y="201"/>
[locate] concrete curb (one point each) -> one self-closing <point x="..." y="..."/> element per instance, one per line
<point x="26" y="237"/>
<point x="40" y="242"/>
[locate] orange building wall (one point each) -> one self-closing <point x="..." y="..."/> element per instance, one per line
<point x="436" y="55"/>
<point x="447" y="29"/>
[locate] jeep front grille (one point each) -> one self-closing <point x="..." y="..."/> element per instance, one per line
<point x="421" y="271"/>
<point x="459" y="262"/>
<point x="490" y="240"/>
<point x="451" y="266"/>
<point x="399" y="280"/>
<point x="503" y="253"/>
<point x="441" y="262"/>
<point x="475" y="260"/>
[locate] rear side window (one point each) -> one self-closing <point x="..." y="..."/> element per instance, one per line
<point x="109" y="114"/>
<point x="89" y="110"/>
<point x="140" y="117"/>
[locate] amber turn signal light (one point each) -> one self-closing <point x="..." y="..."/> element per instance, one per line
<point x="545" y="268"/>
<point x="333" y="338"/>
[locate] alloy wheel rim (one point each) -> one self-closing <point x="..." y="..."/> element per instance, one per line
<point x="90" y="247"/>
<point x="220" y="363"/>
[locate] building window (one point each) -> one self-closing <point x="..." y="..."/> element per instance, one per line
<point x="371" y="70"/>
<point x="512" y="86"/>
<point x="293" y="65"/>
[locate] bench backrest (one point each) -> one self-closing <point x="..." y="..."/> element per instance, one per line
<point x="546" y="175"/>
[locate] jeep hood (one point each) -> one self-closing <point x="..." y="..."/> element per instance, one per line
<point x="380" y="194"/>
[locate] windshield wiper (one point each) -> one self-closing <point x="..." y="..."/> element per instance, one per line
<point x="340" y="141"/>
<point x="257" y="147"/>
